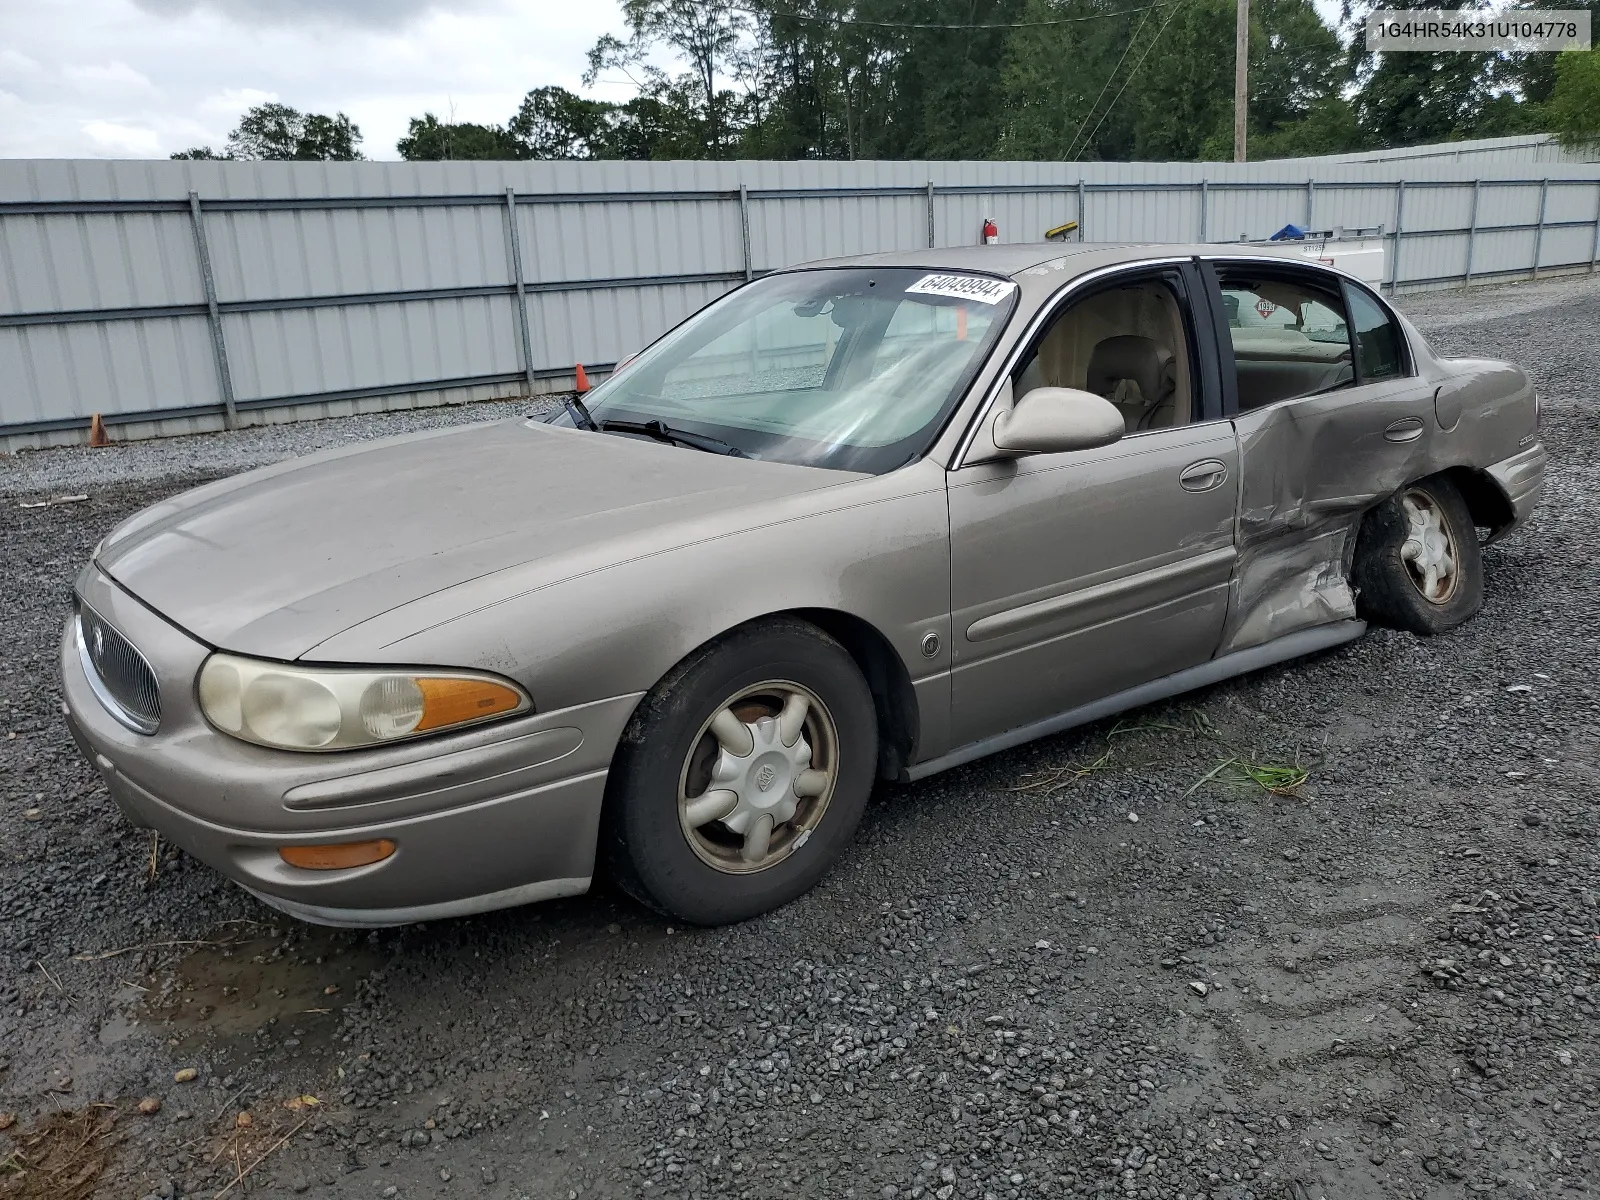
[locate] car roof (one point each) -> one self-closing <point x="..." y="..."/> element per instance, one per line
<point x="1071" y="257"/>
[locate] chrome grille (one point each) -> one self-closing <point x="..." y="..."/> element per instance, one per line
<point x="119" y="674"/>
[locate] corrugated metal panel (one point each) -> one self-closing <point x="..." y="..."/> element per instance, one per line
<point x="64" y="262"/>
<point x="311" y="351"/>
<point x="56" y="371"/>
<point x="272" y="255"/>
<point x="358" y="301"/>
<point x="1566" y="247"/>
<point x="1573" y="203"/>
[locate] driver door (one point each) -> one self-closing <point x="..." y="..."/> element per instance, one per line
<point x="1077" y="575"/>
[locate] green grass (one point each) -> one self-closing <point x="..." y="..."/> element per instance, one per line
<point x="1236" y="770"/>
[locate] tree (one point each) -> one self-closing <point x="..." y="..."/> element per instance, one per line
<point x="276" y="132"/>
<point x="1574" y="108"/>
<point x="707" y="33"/>
<point x="556" y="123"/>
<point x="1407" y="99"/>
<point x="202" y="153"/>
<point x="431" y="139"/>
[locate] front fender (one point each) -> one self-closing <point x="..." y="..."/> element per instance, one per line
<point x="876" y="548"/>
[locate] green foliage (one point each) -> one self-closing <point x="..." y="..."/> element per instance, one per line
<point x="202" y="153"/>
<point x="1574" y="107"/>
<point x="556" y="123"/>
<point x="431" y="139"/>
<point x="1017" y="79"/>
<point x="276" y="132"/>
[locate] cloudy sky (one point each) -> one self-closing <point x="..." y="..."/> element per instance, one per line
<point x="142" y="78"/>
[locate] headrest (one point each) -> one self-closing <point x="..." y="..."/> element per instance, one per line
<point x="1129" y="356"/>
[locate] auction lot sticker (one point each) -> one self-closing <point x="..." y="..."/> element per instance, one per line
<point x="963" y="287"/>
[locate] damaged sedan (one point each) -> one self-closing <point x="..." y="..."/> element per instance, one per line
<point x="865" y="519"/>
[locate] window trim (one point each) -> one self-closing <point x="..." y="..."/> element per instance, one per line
<point x="1408" y="366"/>
<point x="1070" y="292"/>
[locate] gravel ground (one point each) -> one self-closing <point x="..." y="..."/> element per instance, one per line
<point x="1384" y="984"/>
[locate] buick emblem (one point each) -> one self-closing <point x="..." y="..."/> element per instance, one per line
<point x="99" y="642"/>
<point x="765" y="776"/>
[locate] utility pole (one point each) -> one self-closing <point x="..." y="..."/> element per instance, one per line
<point x="1241" y="79"/>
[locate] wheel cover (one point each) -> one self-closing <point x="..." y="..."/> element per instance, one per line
<point x="758" y="777"/>
<point x="1429" y="551"/>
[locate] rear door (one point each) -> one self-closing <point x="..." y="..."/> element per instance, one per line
<point x="1074" y="576"/>
<point x="1330" y="417"/>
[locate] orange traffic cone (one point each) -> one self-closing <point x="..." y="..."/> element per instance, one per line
<point x="97" y="432"/>
<point x="583" y="380"/>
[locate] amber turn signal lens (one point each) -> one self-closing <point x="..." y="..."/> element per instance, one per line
<point x="336" y="858"/>
<point x="453" y="701"/>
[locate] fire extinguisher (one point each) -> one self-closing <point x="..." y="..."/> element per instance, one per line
<point x="991" y="232"/>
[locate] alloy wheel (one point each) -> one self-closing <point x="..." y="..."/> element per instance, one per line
<point x="1429" y="551"/>
<point x="758" y="777"/>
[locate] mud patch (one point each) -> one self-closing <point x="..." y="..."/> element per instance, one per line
<point x="62" y="1157"/>
<point x="223" y="995"/>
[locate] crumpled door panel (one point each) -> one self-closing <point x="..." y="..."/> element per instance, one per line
<point x="1310" y="469"/>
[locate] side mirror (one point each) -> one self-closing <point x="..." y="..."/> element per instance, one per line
<point x="1052" y="420"/>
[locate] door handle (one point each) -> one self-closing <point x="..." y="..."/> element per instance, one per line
<point x="1204" y="475"/>
<point x="1406" y="429"/>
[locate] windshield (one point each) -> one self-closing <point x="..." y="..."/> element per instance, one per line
<point x="850" y="368"/>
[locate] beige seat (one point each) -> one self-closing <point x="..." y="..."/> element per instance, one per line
<point x="1138" y="375"/>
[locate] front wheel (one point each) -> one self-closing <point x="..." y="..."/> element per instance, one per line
<point x="742" y="775"/>
<point x="1418" y="564"/>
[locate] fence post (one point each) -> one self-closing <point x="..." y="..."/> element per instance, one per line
<point x="930" y="214"/>
<point x="219" y="347"/>
<point x="1082" y="219"/>
<point x="1594" y="250"/>
<point x="1399" y="218"/>
<point x="1205" y="187"/>
<point x="1311" y="200"/>
<point x="1472" y="231"/>
<point x="1538" y="230"/>
<point x="521" y="296"/>
<point x="744" y="226"/>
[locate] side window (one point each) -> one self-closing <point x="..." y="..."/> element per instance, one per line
<point x="1128" y="343"/>
<point x="1290" y="338"/>
<point x="1377" y="338"/>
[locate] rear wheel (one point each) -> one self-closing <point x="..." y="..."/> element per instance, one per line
<point x="742" y="775"/>
<point x="1418" y="564"/>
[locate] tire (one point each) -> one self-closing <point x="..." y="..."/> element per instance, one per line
<point x="658" y="843"/>
<point x="1397" y="544"/>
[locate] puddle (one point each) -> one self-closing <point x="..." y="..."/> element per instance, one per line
<point x="295" y="983"/>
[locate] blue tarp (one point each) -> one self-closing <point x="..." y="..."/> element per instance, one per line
<point x="1289" y="233"/>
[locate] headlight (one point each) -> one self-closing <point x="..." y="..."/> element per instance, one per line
<point x="336" y="708"/>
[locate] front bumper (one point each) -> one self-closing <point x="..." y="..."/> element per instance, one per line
<point x="1521" y="479"/>
<point x="493" y="816"/>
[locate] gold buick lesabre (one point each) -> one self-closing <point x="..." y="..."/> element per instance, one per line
<point x="859" y="520"/>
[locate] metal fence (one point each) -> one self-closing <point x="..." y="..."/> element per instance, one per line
<point x="177" y="297"/>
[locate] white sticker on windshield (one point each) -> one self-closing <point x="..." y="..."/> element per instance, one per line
<point x="963" y="287"/>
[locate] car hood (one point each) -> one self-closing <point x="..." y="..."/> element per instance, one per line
<point x="277" y="560"/>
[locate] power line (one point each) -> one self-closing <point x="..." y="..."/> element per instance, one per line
<point x="1150" y="46"/>
<point x="1127" y="50"/>
<point x="826" y="19"/>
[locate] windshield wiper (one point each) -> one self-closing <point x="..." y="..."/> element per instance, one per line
<point x="580" y="414"/>
<point x="662" y="432"/>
